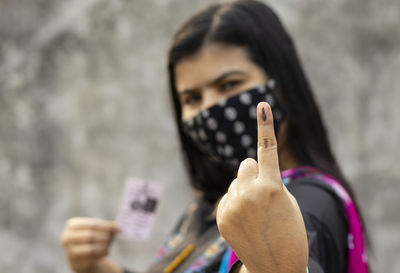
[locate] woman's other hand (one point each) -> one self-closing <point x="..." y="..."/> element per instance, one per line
<point x="258" y="217"/>
<point x="86" y="242"/>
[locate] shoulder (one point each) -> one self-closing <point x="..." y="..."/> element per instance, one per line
<point x="317" y="198"/>
<point x="325" y="220"/>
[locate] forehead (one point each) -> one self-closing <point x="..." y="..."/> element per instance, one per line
<point x="208" y="63"/>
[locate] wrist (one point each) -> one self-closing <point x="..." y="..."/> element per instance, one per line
<point x="243" y="269"/>
<point x="105" y="265"/>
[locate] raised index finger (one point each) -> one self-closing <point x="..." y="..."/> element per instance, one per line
<point x="267" y="152"/>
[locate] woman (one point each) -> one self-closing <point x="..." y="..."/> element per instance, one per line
<point x="222" y="63"/>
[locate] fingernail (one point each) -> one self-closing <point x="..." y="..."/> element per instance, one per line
<point x="263" y="115"/>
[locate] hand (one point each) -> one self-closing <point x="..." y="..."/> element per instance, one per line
<point x="86" y="242"/>
<point x="258" y="217"/>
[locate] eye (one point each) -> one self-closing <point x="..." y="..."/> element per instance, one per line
<point x="192" y="99"/>
<point x="226" y="86"/>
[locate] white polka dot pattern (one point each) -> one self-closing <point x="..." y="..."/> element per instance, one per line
<point x="202" y="134"/>
<point x="212" y="123"/>
<point x="238" y="127"/>
<point x="193" y="134"/>
<point x="227" y="131"/>
<point x="198" y="119"/>
<point x="205" y="113"/>
<point x="220" y="137"/>
<point x="228" y="150"/>
<point x="251" y="152"/>
<point x="270" y="99"/>
<point x="271" y="84"/>
<point x="245" y="98"/>
<point x="190" y="123"/>
<point x="253" y="112"/>
<point x="261" y="89"/>
<point x="230" y="113"/>
<point x="246" y="141"/>
<point x="222" y="103"/>
<point x="277" y="115"/>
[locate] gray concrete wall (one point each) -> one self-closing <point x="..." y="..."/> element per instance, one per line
<point x="83" y="104"/>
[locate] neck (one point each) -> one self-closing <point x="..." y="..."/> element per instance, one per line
<point x="287" y="160"/>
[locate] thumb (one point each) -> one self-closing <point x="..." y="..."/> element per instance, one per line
<point x="267" y="152"/>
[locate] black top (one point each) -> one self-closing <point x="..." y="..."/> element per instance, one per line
<point x="323" y="215"/>
<point x="326" y="225"/>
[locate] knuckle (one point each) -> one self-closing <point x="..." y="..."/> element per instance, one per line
<point x="79" y="252"/>
<point x="232" y="186"/>
<point x="236" y="213"/>
<point x="268" y="143"/>
<point x="222" y="226"/>
<point x="90" y="236"/>
<point x="79" y="266"/>
<point x="248" y="196"/>
<point x="64" y="241"/>
<point x="90" y="252"/>
<point x="105" y="238"/>
<point x="99" y="251"/>
<point x="95" y="225"/>
<point x="271" y="190"/>
<point x="95" y="252"/>
<point x="69" y="223"/>
<point x="249" y="200"/>
<point x="73" y="254"/>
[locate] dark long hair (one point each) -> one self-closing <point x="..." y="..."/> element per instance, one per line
<point x="255" y="27"/>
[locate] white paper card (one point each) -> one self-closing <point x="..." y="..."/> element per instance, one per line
<point x="138" y="209"/>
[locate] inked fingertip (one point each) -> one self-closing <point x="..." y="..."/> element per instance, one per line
<point x="264" y="105"/>
<point x="263" y="115"/>
<point x="263" y="111"/>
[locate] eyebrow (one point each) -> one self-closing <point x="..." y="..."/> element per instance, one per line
<point x="214" y="81"/>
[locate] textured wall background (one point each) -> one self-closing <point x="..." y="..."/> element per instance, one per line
<point x="83" y="104"/>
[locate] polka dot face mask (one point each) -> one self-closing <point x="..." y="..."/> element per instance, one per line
<point x="227" y="131"/>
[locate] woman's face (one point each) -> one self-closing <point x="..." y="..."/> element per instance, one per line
<point x="216" y="72"/>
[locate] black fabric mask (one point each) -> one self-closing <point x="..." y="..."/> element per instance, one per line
<point x="227" y="131"/>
